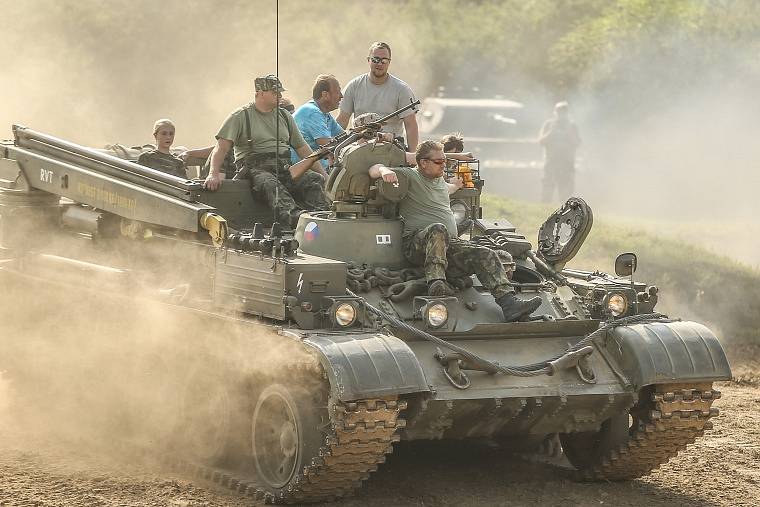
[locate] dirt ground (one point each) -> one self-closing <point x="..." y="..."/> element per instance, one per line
<point x="722" y="468"/>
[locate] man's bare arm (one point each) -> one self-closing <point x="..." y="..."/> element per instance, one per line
<point x="197" y="153"/>
<point x="467" y="155"/>
<point x="299" y="168"/>
<point x="412" y="131"/>
<point x="386" y="173"/>
<point x="343" y="118"/>
<point x="454" y="184"/>
<point x="215" y="175"/>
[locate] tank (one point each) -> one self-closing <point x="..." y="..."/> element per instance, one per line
<point x="365" y="357"/>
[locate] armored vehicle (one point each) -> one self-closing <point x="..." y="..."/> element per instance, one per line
<point x="501" y="132"/>
<point x="336" y="351"/>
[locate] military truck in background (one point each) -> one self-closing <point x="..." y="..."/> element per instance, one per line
<point x="502" y="133"/>
<point x="368" y="358"/>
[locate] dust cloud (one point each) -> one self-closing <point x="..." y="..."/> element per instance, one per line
<point x="113" y="366"/>
<point x="98" y="72"/>
<point x="677" y="139"/>
<point x="671" y="139"/>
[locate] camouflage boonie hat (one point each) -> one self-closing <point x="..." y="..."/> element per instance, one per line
<point x="268" y="83"/>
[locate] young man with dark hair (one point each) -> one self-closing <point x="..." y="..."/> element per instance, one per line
<point x="453" y="143"/>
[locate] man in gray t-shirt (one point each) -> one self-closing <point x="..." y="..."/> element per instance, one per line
<point x="380" y="92"/>
<point x="430" y="233"/>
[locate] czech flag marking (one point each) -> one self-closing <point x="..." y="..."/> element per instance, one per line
<point x="311" y="231"/>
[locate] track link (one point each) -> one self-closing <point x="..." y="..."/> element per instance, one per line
<point x="674" y="417"/>
<point x="361" y="434"/>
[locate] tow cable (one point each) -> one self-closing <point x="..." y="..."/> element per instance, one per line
<point x="462" y="359"/>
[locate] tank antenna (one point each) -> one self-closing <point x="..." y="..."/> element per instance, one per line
<point x="276" y="207"/>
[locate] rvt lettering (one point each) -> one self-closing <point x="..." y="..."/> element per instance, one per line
<point x="46" y="176"/>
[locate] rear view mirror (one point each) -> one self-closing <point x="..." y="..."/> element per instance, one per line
<point x="625" y="264"/>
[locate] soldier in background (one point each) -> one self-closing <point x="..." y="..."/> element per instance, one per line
<point x="252" y="132"/>
<point x="560" y="139"/>
<point x="161" y="159"/>
<point x="430" y="236"/>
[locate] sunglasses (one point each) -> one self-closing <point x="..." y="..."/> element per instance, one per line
<point x="436" y="161"/>
<point x="377" y="59"/>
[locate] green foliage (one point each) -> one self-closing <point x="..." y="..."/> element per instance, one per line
<point x="694" y="282"/>
<point x="591" y="44"/>
<point x="694" y="36"/>
<point x="515" y="36"/>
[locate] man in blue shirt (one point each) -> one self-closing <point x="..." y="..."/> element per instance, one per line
<point x="314" y="119"/>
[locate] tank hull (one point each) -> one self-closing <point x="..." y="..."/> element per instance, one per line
<point x="288" y="373"/>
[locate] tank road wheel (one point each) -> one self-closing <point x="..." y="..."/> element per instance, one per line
<point x="666" y="419"/>
<point x="309" y="448"/>
<point x="285" y="434"/>
<point x="583" y="450"/>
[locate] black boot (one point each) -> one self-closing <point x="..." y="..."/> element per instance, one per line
<point x="439" y="288"/>
<point x="514" y="308"/>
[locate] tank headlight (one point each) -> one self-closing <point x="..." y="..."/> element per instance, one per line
<point x="436" y="314"/>
<point x="345" y="314"/>
<point x="460" y="211"/>
<point x="617" y="305"/>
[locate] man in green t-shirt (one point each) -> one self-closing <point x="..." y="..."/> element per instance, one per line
<point x="252" y="131"/>
<point x="430" y="234"/>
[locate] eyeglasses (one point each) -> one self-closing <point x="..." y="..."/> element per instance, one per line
<point x="377" y="59"/>
<point x="436" y="161"/>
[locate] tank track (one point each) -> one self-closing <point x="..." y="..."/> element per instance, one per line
<point x="675" y="416"/>
<point x="361" y="434"/>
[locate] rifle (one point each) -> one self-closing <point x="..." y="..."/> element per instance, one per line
<point x="369" y="130"/>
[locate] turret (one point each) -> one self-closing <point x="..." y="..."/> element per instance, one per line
<point x="363" y="227"/>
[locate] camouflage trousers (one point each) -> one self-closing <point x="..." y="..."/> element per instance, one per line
<point x="450" y="258"/>
<point x="287" y="197"/>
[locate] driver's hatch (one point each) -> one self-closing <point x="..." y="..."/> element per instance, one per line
<point x="563" y="233"/>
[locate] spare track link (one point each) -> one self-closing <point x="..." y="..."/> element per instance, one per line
<point x="675" y="417"/>
<point x="357" y="440"/>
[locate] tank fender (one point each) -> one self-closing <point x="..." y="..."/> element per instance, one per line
<point x="667" y="352"/>
<point x="368" y="365"/>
